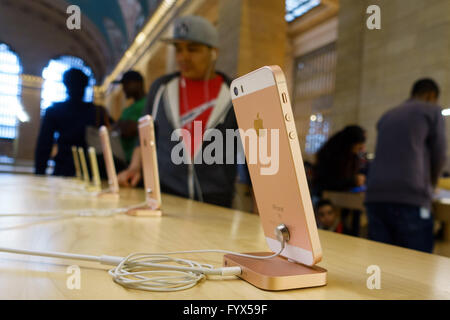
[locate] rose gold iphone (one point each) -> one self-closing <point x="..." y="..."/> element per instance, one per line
<point x="149" y="162"/>
<point x="264" y="115"/>
<point x="109" y="160"/>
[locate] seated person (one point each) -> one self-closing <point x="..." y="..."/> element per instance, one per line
<point x="327" y="217"/>
<point x="338" y="162"/>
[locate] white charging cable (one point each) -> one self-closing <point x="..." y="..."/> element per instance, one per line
<point x="60" y="188"/>
<point x="63" y="191"/>
<point x="65" y="213"/>
<point x="151" y="271"/>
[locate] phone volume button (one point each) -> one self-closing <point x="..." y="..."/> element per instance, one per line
<point x="287" y="117"/>
<point x="292" y="135"/>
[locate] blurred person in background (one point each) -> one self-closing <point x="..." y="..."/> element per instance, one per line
<point x="410" y="155"/>
<point x="338" y="161"/>
<point x="328" y="217"/>
<point x="69" y="119"/>
<point x="338" y="168"/>
<point x="133" y="87"/>
<point x="196" y="93"/>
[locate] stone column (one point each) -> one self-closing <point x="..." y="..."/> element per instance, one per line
<point x="377" y="68"/>
<point x="349" y="61"/>
<point x="253" y="33"/>
<point x="99" y="96"/>
<point x="25" y="142"/>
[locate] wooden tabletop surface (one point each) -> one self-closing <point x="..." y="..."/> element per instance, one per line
<point x="185" y="225"/>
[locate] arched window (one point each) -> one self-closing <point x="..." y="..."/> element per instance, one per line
<point x="297" y="8"/>
<point x="10" y="90"/>
<point x="315" y="74"/>
<point x="53" y="89"/>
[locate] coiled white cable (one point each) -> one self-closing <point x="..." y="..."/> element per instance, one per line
<point x="143" y="271"/>
<point x="133" y="272"/>
<point x="150" y="271"/>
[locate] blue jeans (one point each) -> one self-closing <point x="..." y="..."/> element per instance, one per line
<point x="401" y="225"/>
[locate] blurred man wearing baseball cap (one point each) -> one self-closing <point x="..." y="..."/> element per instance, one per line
<point x="196" y="42"/>
<point x="197" y="93"/>
<point x="133" y="87"/>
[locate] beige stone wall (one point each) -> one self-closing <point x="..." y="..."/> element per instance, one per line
<point x="25" y="142"/>
<point x="263" y="35"/>
<point x="156" y="66"/>
<point x="348" y="68"/>
<point x="376" y="68"/>
<point x="209" y="10"/>
<point x="253" y="33"/>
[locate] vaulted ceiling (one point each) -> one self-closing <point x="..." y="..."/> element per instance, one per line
<point x="119" y="21"/>
<point x="36" y="30"/>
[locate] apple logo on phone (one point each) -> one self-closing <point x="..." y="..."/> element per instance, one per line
<point x="258" y="125"/>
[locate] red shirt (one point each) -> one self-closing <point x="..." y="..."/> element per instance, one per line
<point x="197" y="100"/>
<point x="340" y="228"/>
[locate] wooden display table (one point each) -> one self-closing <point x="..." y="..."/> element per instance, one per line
<point x="185" y="225"/>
